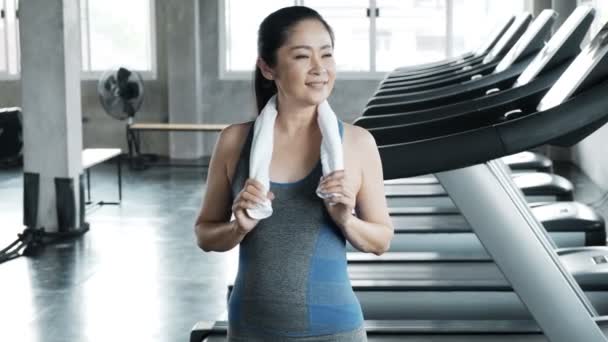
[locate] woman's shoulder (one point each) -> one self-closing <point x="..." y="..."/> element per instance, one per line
<point x="235" y="131"/>
<point x="230" y="144"/>
<point x="233" y="136"/>
<point x="358" y="137"/>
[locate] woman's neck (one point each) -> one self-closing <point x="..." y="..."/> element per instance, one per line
<point x="295" y="119"/>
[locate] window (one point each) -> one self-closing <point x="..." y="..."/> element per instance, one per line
<point x="113" y="32"/>
<point x="409" y="32"/>
<point x="9" y="39"/>
<point x="351" y="27"/>
<point x="468" y="34"/>
<point x="372" y="36"/>
<point x="243" y="18"/>
<point x="117" y="33"/>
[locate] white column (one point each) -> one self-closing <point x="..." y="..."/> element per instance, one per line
<point x="50" y="74"/>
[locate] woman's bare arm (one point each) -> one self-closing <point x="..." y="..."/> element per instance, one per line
<point x="371" y="230"/>
<point x="213" y="229"/>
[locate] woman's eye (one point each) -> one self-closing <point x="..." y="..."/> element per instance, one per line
<point x="327" y="55"/>
<point x="301" y="56"/>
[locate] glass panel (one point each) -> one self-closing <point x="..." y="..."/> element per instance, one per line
<point x="3" y="51"/>
<point x="84" y="35"/>
<point x="348" y="19"/>
<point x="410" y="32"/>
<point x="243" y="18"/>
<point x="475" y="20"/>
<point x="17" y="42"/>
<point x="12" y="34"/>
<point x="120" y="34"/>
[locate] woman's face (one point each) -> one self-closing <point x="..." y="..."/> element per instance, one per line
<point x="306" y="70"/>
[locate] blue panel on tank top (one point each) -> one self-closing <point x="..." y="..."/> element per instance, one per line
<point x="331" y="301"/>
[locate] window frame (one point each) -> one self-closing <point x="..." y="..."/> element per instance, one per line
<point x="10" y="52"/>
<point x="372" y="74"/>
<point x="151" y="74"/>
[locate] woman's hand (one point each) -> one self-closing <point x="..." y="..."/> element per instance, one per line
<point x="339" y="196"/>
<point x="250" y="197"/>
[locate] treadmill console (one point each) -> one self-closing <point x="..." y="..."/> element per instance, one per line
<point x="590" y="65"/>
<point x="578" y="22"/>
<point x="539" y="27"/>
<point x="520" y="21"/>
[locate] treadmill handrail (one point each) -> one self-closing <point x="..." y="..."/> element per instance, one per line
<point x="564" y="44"/>
<point x="580" y="70"/>
<point x="532" y="40"/>
<point x="510" y="37"/>
<point x="413" y="158"/>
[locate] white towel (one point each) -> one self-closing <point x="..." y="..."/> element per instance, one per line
<point x="332" y="156"/>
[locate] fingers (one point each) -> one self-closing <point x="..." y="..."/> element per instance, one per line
<point x="254" y="191"/>
<point x="252" y="183"/>
<point x="334" y="176"/>
<point x="252" y="196"/>
<point x="334" y="183"/>
<point x="248" y="196"/>
<point x="243" y="205"/>
<point x="337" y="188"/>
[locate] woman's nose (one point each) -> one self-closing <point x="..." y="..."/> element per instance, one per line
<point x="317" y="66"/>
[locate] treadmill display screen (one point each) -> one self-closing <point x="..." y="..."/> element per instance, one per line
<point x="520" y="21"/>
<point x="585" y="66"/>
<point x="556" y="43"/>
<point x="545" y="18"/>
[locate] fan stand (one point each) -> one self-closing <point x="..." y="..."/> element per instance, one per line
<point x="137" y="160"/>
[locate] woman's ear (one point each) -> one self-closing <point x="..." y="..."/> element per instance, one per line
<point x="267" y="71"/>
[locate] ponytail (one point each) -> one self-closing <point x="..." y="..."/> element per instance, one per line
<point x="264" y="89"/>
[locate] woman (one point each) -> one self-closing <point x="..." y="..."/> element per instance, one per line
<point x="292" y="282"/>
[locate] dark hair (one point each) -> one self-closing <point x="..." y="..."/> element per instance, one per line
<point x="272" y="34"/>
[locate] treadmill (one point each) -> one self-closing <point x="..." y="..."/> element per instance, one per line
<point x="561" y="310"/>
<point x="506" y="42"/>
<point x="532" y="83"/>
<point x="532" y="40"/>
<point x="403" y="99"/>
<point x="569" y="224"/>
<point x="528" y="44"/>
<point x="470" y="57"/>
<point x="420" y="236"/>
<point x="536" y="186"/>
<point x="538" y="76"/>
<point x="574" y="108"/>
<point x="524" y="161"/>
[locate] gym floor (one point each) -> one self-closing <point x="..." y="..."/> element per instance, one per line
<point x="137" y="275"/>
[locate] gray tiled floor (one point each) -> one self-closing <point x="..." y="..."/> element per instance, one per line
<point x="137" y="275"/>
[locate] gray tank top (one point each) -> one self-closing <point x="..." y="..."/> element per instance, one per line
<point x="292" y="282"/>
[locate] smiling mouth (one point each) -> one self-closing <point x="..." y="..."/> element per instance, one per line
<point x="316" y="84"/>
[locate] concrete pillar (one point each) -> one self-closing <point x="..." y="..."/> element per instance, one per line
<point x="564" y="8"/>
<point x="539" y="5"/>
<point x="51" y="102"/>
<point x="184" y="76"/>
